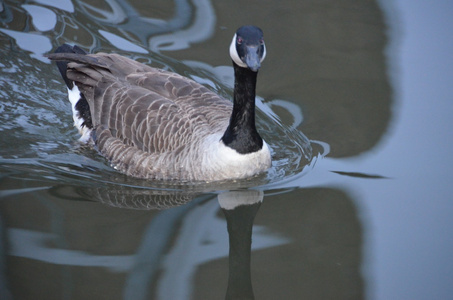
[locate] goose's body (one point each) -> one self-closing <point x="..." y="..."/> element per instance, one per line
<point x="155" y="124"/>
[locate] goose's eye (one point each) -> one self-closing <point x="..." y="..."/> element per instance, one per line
<point x="262" y="41"/>
<point x="239" y="40"/>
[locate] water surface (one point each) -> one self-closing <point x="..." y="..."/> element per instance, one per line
<point x="353" y="98"/>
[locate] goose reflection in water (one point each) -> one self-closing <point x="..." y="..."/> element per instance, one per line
<point x="239" y="208"/>
<point x="170" y="234"/>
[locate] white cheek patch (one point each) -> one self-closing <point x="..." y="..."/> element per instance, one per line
<point x="234" y="54"/>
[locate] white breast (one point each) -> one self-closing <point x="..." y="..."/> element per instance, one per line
<point x="222" y="162"/>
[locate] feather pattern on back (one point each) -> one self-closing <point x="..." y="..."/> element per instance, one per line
<point x="148" y="122"/>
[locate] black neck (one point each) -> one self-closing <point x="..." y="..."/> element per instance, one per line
<point x="241" y="134"/>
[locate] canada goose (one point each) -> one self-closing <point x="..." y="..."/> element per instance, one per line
<point x="156" y="124"/>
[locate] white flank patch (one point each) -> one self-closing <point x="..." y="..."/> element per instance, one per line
<point x="74" y="97"/>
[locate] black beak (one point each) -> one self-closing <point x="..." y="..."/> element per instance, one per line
<point x="253" y="58"/>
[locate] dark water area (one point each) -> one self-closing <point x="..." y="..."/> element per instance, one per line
<point x="354" y="98"/>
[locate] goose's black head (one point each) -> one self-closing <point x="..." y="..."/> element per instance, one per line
<point x="247" y="48"/>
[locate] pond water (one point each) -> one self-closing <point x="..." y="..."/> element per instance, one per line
<point x="354" y="99"/>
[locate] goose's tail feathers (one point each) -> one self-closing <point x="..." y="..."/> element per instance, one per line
<point x="62" y="65"/>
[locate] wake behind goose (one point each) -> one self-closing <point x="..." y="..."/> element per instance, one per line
<point x="155" y="124"/>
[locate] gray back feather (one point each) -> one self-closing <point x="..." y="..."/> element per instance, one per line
<point x="148" y="122"/>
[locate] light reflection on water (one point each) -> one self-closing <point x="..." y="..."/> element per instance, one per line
<point x="361" y="223"/>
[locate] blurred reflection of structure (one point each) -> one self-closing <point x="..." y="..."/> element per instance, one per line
<point x="193" y="21"/>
